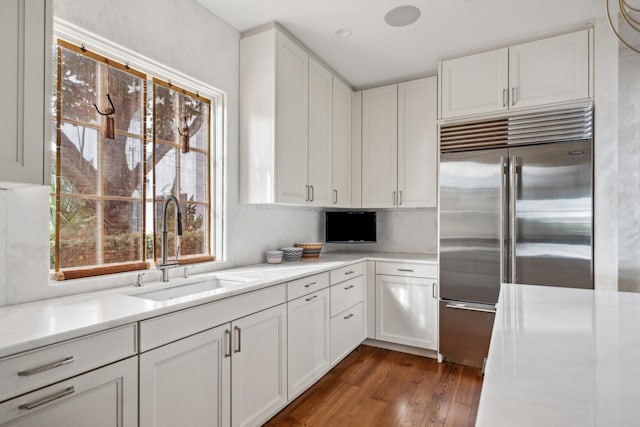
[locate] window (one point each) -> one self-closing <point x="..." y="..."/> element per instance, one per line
<point x="112" y="171"/>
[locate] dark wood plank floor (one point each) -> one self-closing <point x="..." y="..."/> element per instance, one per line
<point x="377" y="387"/>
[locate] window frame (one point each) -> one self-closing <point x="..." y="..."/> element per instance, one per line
<point x="154" y="71"/>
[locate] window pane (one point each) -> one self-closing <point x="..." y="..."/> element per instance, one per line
<point x="79" y="83"/>
<point x="123" y="237"/>
<point x="126" y="92"/>
<point x="79" y="159"/>
<point x="193" y="177"/>
<point x="122" y="166"/>
<point x="166" y="170"/>
<point x="78" y="232"/>
<point x="164" y="119"/>
<point x="195" y="225"/>
<point x="197" y="116"/>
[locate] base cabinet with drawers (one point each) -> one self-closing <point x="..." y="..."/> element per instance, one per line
<point x="347" y="310"/>
<point x="407" y="304"/>
<point x="91" y="380"/>
<point x="308" y="333"/>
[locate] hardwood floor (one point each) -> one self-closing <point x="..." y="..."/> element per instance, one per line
<point x="377" y="387"/>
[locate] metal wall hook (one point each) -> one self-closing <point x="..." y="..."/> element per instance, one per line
<point x="109" y="111"/>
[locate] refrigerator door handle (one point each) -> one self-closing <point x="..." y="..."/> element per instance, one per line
<point x="504" y="207"/>
<point x="513" y="196"/>
<point x="472" y="307"/>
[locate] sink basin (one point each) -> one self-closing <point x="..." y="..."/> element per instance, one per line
<point x="191" y="288"/>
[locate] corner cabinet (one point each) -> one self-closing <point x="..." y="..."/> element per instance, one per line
<point x="399" y="145"/>
<point x="26" y="33"/>
<point x="551" y="70"/>
<point x="287" y="124"/>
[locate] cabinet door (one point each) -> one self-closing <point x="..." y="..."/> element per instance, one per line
<point x="25" y="37"/>
<point x="292" y="75"/>
<point x="187" y="382"/>
<point x="417" y="143"/>
<point x="341" y="145"/>
<point x="550" y="70"/>
<point x="406" y="311"/>
<point x="347" y="332"/>
<point x="106" y="397"/>
<point x="259" y="368"/>
<point x="320" y="133"/>
<point x="379" y="147"/>
<point x="474" y="84"/>
<point x="308" y="340"/>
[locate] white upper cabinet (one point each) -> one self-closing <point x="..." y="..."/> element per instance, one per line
<point x="379" y="147"/>
<point x="25" y="47"/>
<point x="341" y="169"/>
<point x="475" y="84"/>
<point x="286" y="124"/>
<point x="418" y="143"/>
<point x="291" y="122"/>
<point x="320" y="134"/>
<point x="547" y="71"/>
<point x="399" y="145"/>
<point x="550" y="70"/>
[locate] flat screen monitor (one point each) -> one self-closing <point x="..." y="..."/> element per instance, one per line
<point x="350" y="226"/>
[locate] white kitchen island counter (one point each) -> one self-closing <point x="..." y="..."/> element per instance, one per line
<point x="563" y="357"/>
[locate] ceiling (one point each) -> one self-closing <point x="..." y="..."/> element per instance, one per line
<point x="376" y="52"/>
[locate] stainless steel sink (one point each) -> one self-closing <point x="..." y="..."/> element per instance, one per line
<point x="192" y="288"/>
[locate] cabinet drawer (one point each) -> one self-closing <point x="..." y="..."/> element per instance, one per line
<point x="346" y="294"/>
<point x="104" y="397"/>
<point x="345" y="273"/>
<point x="347" y="332"/>
<point x="307" y="285"/>
<point x="174" y="326"/>
<point x="407" y="269"/>
<point x="27" y="371"/>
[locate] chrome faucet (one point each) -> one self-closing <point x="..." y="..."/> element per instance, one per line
<point x="164" y="265"/>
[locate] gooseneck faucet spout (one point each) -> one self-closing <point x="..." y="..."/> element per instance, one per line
<point x="164" y="265"/>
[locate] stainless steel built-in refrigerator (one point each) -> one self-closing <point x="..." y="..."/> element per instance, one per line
<point x="515" y="207"/>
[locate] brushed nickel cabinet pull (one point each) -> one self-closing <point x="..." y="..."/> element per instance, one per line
<point x="308" y="285"/>
<point x="346" y="273"/>
<point x="335" y="197"/>
<point x="505" y="95"/>
<point x="313" y="193"/>
<point x="405" y="270"/>
<point x="227" y="343"/>
<point x="434" y="292"/>
<point x="307" y="188"/>
<point x="310" y="298"/>
<point x="43" y="368"/>
<point x="348" y="317"/>
<point x="513" y="96"/>
<point x="393" y="196"/>
<point x="400" y="200"/>
<point x="239" y="343"/>
<point x="349" y="287"/>
<point x="47" y="399"/>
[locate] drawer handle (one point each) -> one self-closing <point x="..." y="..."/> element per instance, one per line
<point x="348" y="317"/>
<point x="405" y="270"/>
<point x="349" y="287"/>
<point x="310" y="284"/>
<point x="46" y="367"/>
<point x="310" y="298"/>
<point x="47" y="399"/>
<point x="346" y="273"/>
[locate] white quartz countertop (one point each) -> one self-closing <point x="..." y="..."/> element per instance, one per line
<point x="35" y="324"/>
<point x="563" y="357"/>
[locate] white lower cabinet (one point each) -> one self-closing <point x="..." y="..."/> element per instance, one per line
<point x="407" y="311"/>
<point x="308" y="340"/>
<point x="188" y="382"/>
<point x="105" y="397"/>
<point x="259" y="366"/>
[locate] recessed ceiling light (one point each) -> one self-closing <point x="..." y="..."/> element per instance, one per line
<point x="343" y="32"/>
<point x="402" y="16"/>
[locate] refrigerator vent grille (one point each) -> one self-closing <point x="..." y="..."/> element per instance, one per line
<point x="573" y="124"/>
